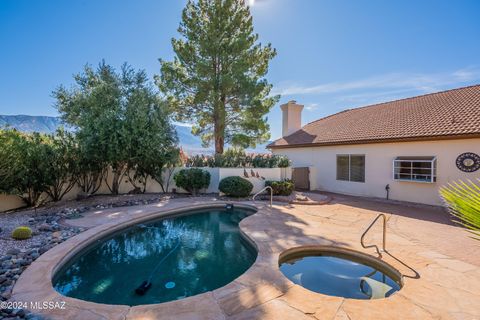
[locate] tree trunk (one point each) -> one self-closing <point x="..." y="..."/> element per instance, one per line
<point x="219" y="128"/>
<point x="219" y="142"/>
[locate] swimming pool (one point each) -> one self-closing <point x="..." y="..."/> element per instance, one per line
<point x="341" y="273"/>
<point x="183" y="255"/>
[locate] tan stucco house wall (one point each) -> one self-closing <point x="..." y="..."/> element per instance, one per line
<point x="379" y="167"/>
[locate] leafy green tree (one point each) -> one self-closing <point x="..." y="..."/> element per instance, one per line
<point x="91" y="168"/>
<point x="34" y="178"/>
<point x="162" y="172"/>
<point x="121" y="123"/>
<point x="153" y="139"/>
<point x="217" y="78"/>
<point x="63" y="164"/>
<point x="11" y="142"/>
<point x="26" y="174"/>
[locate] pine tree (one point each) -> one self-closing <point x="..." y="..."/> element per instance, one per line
<point x="217" y="78"/>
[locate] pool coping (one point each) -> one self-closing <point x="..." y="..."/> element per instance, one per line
<point x="261" y="283"/>
<point x="35" y="283"/>
<point x="314" y="250"/>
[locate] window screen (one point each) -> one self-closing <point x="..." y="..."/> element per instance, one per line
<point x="351" y="167"/>
<point x="357" y="168"/>
<point x="343" y="167"/>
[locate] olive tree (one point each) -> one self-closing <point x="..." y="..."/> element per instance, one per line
<point x="63" y="164"/>
<point x="25" y="165"/>
<point x="121" y="124"/>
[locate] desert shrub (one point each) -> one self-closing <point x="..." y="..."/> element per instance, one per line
<point x="235" y="186"/>
<point x="22" y="233"/>
<point x="237" y="158"/>
<point x="24" y="168"/>
<point x="234" y="158"/>
<point x="198" y="160"/>
<point x="282" y="161"/>
<point x="463" y="201"/>
<point x="281" y="188"/>
<point x="192" y="180"/>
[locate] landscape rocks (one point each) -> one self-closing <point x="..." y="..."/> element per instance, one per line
<point x="15" y="261"/>
<point x="47" y="231"/>
<point x="45" y="227"/>
<point x="13" y="251"/>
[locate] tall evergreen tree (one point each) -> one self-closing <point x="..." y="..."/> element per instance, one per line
<point x="217" y="78"/>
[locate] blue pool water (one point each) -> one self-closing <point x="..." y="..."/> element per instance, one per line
<point x="340" y="275"/>
<point x="184" y="256"/>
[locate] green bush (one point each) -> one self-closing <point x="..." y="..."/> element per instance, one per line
<point x="237" y="158"/>
<point x="192" y="180"/>
<point x="281" y="188"/>
<point x="24" y="165"/>
<point x="282" y="161"/>
<point x="235" y="186"/>
<point x="22" y="233"/>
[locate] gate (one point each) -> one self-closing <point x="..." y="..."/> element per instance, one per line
<point x="300" y="177"/>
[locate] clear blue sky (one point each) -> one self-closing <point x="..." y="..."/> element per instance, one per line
<point x="332" y="55"/>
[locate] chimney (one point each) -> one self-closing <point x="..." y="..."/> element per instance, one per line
<point x="292" y="117"/>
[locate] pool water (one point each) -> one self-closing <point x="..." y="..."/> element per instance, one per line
<point x="184" y="256"/>
<point x="340" y="275"/>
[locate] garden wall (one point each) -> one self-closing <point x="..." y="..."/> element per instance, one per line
<point x="11" y="202"/>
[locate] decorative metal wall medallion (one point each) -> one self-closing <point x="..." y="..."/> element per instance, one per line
<point x="468" y="162"/>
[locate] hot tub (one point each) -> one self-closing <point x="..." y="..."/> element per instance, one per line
<point x="340" y="272"/>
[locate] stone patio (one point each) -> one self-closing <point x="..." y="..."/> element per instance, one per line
<point x="440" y="264"/>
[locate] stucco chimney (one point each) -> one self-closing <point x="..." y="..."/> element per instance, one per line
<point x="291" y="117"/>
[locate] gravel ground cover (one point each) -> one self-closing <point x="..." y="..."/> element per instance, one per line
<point x="48" y="231"/>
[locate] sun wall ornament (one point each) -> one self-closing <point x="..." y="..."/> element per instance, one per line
<point x="468" y="162"/>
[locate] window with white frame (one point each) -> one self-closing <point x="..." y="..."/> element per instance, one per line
<point x="417" y="169"/>
<point x="351" y="167"/>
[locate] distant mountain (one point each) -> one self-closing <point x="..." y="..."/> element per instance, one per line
<point x="26" y="123"/>
<point x="190" y="143"/>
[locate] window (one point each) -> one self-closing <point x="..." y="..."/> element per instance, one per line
<point x="351" y="167"/>
<point x="417" y="169"/>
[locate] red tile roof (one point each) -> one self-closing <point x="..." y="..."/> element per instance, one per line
<point x="444" y="115"/>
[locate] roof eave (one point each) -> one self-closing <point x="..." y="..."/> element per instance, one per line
<point x="369" y="141"/>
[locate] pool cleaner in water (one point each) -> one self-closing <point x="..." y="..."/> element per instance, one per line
<point x="147" y="284"/>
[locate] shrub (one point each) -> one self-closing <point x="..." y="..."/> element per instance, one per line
<point x="283" y="161"/>
<point x="22" y="233"/>
<point x="192" y="180"/>
<point x="463" y="201"/>
<point x="24" y="165"/>
<point x="235" y="186"/>
<point x="196" y="161"/>
<point x="281" y="188"/>
<point x="237" y="158"/>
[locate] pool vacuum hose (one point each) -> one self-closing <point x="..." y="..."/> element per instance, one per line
<point x="147" y="284"/>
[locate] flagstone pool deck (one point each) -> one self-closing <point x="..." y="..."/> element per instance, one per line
<point x="440" y="264"/>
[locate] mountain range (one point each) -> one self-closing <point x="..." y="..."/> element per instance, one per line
<point x="45" y="124"/>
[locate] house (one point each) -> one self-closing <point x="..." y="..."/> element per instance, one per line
<point x="404" y="149"/>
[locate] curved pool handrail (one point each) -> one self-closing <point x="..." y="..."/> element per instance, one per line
<point x="384" y="234"/>
<point x="264" y="189"/>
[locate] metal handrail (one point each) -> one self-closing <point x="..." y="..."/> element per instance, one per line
<point x="259" y="192"/>
<point x="384" y="234"/>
